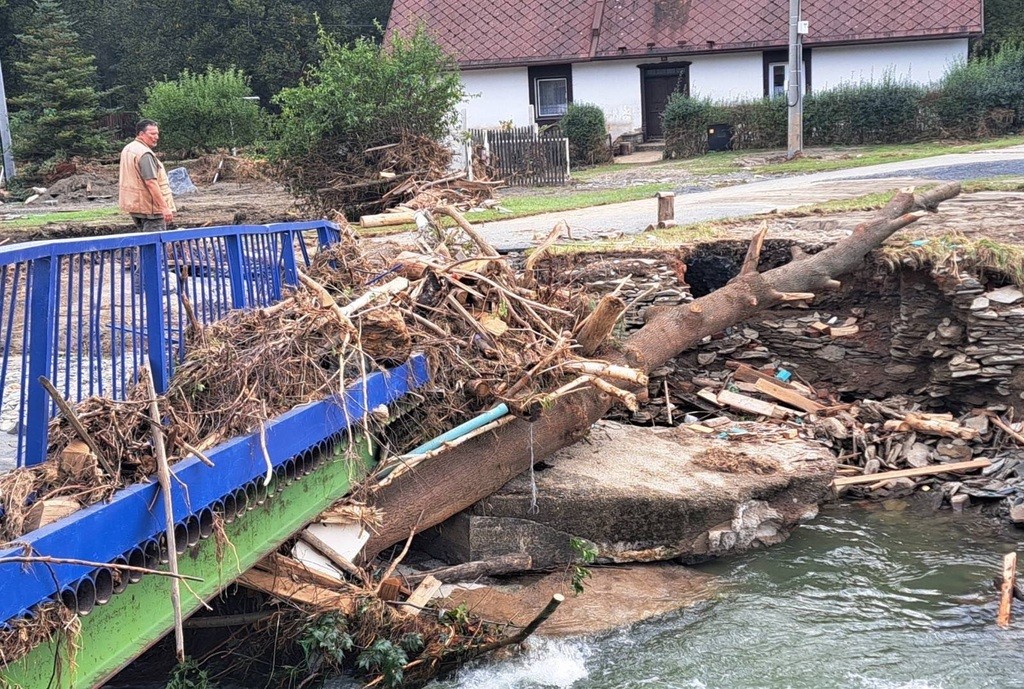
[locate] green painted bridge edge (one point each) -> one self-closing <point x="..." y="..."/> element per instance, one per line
<point x="114" y="634"/>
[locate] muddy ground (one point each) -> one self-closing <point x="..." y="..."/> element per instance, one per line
<point x="226" y="202"/>
<point x="994" y="215"/>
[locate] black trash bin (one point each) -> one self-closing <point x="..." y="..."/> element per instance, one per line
<point x="720" y="137"/>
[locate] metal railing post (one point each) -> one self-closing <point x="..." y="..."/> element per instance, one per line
<point x="42" y="305"/>
<point x="236" y="270"/>
<point x="151" y="258"/>
<point x="291" y="268"/>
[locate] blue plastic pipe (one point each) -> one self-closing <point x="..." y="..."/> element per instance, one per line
<point x="461" y="430"/>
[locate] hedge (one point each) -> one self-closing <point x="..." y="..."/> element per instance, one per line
<point x="981" y="98"/>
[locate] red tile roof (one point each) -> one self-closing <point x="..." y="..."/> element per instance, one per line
<point x="515" y="32"/>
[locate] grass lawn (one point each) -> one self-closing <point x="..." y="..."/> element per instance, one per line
<point x="526" y="205"/>
<point x="40" y="219"/>
<point x="843" y="158"/>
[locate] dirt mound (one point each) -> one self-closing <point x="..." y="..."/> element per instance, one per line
<point x="84" y="186"/>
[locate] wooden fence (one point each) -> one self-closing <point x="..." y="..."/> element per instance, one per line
<point x="521" y="156"/>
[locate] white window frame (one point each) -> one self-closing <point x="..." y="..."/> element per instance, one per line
<point x="536" y="87"/>
<point x="785" y="78"/>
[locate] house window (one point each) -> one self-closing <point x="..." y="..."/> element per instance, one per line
<point x="552" y="97"/>
<point x="550" y="92"/>
<point x="777" y="73"/>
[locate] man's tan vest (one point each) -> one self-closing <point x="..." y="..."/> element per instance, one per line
<point x="133" y="196"/>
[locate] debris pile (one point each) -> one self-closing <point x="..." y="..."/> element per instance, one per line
<point x="867" y="381"/>
<point x="414" y="170"/>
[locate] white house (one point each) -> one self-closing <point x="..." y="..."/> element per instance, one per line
<point x="526" y="60"/>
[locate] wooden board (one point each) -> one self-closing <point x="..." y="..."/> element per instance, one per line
<point x="919" y="471"/>
<point x="790" y="397"/>
<point x="748" y="404"/>
<point x="291" y="591"/>
<point x="421" y="596"/>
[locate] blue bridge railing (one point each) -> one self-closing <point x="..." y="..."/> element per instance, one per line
<point x="89" y="313"/>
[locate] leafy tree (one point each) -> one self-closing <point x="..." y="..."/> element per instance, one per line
<point x="358" y="96"/>
<point x="272" y="41"/>
<point x="200" y="112"/>
<point x="58" y="109"/>
<point x="1004" y="24"/>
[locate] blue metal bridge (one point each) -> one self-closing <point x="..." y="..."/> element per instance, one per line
<point x="88" y="314"/>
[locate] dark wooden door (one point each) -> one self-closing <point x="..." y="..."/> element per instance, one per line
<point x="659" y="83"/>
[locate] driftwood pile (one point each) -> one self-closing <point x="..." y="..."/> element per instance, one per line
<point x="384" y="630"/>
<point x="413" y="170"/>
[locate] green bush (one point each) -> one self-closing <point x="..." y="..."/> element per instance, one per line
<point x="584" y="126"/>
<point x="759" y="124"/>
<point x="686" y="123"/>
<point x="204" y="112"/>
<point x="360" y="96"/>
<point x="882" y="113"/>
<point x="887" y="112"/>
<point x="985" y="96"/>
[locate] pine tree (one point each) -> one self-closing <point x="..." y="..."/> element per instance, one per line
<point x="57" y="114"/>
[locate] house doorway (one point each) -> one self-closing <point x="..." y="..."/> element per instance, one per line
<point x="658" y="83"/>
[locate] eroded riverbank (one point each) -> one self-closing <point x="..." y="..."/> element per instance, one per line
<point x="867" y="595"/>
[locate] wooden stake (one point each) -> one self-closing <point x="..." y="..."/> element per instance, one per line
<point x="1006" y="593"/>
<point x="520" y="636"/>
<point x="164" y="477"/>
<point x="668" y="403"/>
<point x="72" y="417"/>
<point x="666" y="207"/>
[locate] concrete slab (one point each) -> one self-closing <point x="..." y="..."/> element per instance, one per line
<point x="643" y="495"/>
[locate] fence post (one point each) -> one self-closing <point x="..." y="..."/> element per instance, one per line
<point x="42" y="303"/>
<point x="236" y="268"/>
<point x="151" y="258"/>
<point x="568" y="172"/>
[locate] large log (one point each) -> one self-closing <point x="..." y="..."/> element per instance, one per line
<point x="456" y="479"/>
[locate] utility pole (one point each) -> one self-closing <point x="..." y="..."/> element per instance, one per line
<point x="5" y="132"/>
<point x="795" y="92"/>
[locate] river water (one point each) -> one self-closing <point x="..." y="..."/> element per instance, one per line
<point x="872" y="597"/>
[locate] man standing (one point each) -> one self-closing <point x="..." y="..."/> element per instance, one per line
<point x="144" y="192"/>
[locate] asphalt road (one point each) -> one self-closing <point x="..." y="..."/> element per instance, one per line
<point x="778" y="193"/>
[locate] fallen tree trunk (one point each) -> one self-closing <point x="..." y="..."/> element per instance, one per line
<point x="470" y="472"/>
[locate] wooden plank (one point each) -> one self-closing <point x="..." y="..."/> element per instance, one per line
<point x="747" y="374"/>
<point x="420" y="597"/>
<point x="790" y="397"/>
<point x="710" y="396"/>
<point x="294" y="592"/>
<point x="748" y="404"/>
<point x="918" y="471"/>
<point x="1006" y="593"/>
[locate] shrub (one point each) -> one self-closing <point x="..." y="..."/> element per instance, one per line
<point x="360" y="96"/>
<point x="584" y="126"/>
<point x="759" y="124"/>
<point x="886" y="112"/>
<point x="984" y="96"/>
<point x="686" y="123"/>
<point x="204" y="112"/>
